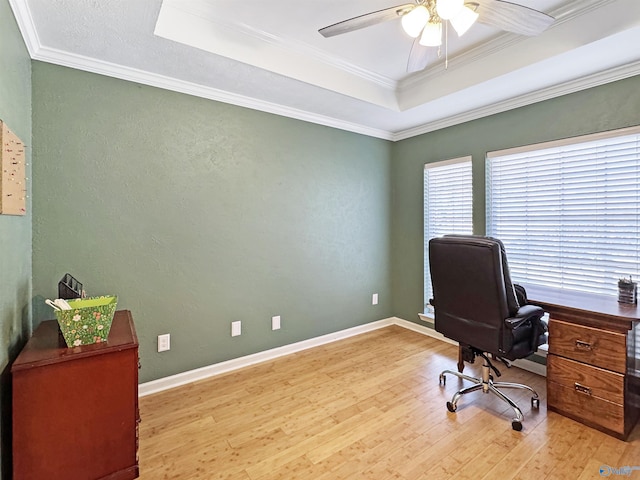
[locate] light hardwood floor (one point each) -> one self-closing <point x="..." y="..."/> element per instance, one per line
<point x="368" y="407"/>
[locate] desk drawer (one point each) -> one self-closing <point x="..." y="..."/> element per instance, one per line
<point x="585" y="408"/>
<point x="590" y="345"/>
<point x="586" y="379"/>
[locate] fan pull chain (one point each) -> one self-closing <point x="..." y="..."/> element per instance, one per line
<point x="446" y="45"/>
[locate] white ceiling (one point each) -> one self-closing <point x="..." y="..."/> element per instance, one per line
<point x="268" y="55"/>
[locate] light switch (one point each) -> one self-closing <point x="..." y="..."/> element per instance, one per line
<point x="164" y="342"/>
<point x="236" y="328"/>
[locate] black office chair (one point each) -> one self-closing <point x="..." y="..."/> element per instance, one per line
<point x="476" y="305"/>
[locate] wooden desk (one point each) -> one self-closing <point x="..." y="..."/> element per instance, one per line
<point x="75" y="410"/>
<point x="591" y="366"/>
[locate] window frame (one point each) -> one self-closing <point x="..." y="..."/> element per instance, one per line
<point x="428" y="230"/>
<point x="582" y="144"/>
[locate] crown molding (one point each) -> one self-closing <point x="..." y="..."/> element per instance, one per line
<point x="58" y="57"/>
<point x="139" y="76"/>
<point x="197" y="25"/>
<point x="24" y="19"/>
<point x="500" y="42"/>
<point x="577" y="8"/>
<point x="100" y="67"/>
<point x="589" y="81"/>
<point x="297" y="47"/>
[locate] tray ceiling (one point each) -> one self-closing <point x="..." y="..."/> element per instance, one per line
<point x="269" y="56"/>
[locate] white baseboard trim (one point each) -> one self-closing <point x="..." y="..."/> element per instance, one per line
<point x="202" y="373"/>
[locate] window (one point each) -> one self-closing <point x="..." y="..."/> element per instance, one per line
<point x="569" y="211"/>
<point x="447" y="205"/>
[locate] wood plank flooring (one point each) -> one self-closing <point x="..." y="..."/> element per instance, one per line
<point x="368" y="407"/>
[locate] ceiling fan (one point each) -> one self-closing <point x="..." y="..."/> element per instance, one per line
<point x="426" y="20"/>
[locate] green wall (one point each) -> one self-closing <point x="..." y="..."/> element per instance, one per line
<point x="15" y="231"/>
<point x="198" y="213"/>
<point x="611" y="106"/>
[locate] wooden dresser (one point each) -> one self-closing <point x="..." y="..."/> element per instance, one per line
<point x="592" y="369"/>
<point x="75" y="410"/>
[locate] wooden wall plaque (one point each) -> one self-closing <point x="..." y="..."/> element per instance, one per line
<point x="13" y="185"/>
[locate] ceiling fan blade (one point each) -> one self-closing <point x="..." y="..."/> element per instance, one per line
<point x="512" y="17"/>
<point x="366" y="20"/>
<point x="421" y="56"/>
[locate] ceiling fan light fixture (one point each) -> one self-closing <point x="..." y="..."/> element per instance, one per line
<point x="463" y="20"/>
<point x="447" y="9"/>
<point x="432" y="35"/>
<point x="414" y="21"/>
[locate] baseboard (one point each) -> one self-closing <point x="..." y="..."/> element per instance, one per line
<point x="202" y="373"/>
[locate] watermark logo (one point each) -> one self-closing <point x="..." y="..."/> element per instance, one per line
<point x="606" y="470"/>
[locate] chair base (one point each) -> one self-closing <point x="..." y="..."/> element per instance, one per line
<point x="486" y="384"/>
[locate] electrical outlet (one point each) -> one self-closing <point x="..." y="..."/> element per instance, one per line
<point x="164" y="342"/>
<point x="236" y="328"/>
<point x="374" y="299"/>
<point x="275" y="322"/>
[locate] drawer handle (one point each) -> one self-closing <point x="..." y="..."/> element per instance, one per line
<point x="580" y="345"/>
<point x="582" y="389"/>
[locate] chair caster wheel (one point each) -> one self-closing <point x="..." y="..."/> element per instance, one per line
<point x="450" y="407"/>
<point x="516" y="425"/>
<point x="442" y="380"/>
<point x="535" y="402"/>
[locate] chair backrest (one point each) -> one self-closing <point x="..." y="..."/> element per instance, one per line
<point x="472" y="289"/>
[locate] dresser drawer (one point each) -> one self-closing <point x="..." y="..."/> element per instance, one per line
<point x="585" y="408"/>
<point x="590" y="345"/>
<point x="586" y="379"/>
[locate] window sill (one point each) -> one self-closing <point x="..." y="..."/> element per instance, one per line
<point x="427" y="317"/>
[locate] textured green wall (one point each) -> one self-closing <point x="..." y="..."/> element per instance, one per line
<point x="15" y="231"/>
<point x="197" y="213"/>
<point x="607" y="107"/>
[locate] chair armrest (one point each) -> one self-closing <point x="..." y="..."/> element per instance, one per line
<point x="524" y="314"/>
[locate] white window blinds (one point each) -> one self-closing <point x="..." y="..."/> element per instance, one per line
<point x="568" y="212"/>
<point x="448" y="205"/>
